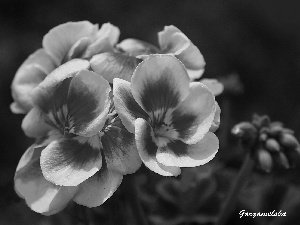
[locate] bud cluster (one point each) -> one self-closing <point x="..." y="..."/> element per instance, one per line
<point x="272" y="144"/>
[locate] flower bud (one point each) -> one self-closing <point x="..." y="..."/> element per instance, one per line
<point x="261" y="121"/>
<point x="272" y="145"/>
<point x="263" y="137"/>
<point x="282" y="160"/>
<point x="276" y="130"/>
<point x="246" y="132"/>
<point x="289" y="141"/>
<point x="276" y="123"/>
<point x="287" y="130"/>
<point x="265" y="160"/>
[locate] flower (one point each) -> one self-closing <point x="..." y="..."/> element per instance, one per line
<point x="62" y="43"/>
<point x="170" y="116"/>
<point x="172" y="41"/>
<point x="85" y="150"/>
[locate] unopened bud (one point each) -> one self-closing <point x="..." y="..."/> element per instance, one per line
<point x="265" y="160"/>
<point x="289" y="141"/>
<point x="276" y="124"/>
<point x="287" y="130"/>
<point x="282" y="160"/>
<point x="244" y="130"/>
<point x="263" y="137"/>
<point x="276" y="130"/>
<point x="261" y="121"/>
<point x="272" y="145"/>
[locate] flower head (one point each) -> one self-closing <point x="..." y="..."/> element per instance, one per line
<point x="170" y="116"/>
<point x="271" y="143"/>
<point x="61" y="44"/>
<point x="85" y="150"/>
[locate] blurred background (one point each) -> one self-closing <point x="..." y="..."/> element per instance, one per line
<point x="252" y="46"/>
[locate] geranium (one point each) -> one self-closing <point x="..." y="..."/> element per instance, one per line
<point x="170" y="116"/>
<point x="129" y="52"/>
<point x="84" y="40"/>
<point x="85" y="150"/>
<point x="171" y="41"/>
<point x="62" y="43"/>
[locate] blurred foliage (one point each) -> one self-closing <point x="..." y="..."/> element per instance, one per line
<point x="259" y="41"/>
<point x="196" y="197"/>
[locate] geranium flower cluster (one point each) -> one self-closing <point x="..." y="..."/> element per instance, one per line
<point x="98" y="109"/>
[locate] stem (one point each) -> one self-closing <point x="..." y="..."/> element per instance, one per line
<point x="238" y="185"/>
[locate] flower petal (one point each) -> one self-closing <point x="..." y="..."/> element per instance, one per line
<point x="34" y="69"/>
<point x="147" y="149"/>
<point x="52" y="104"/>
<point x="76" y="105"/>
<point x="194" y="116"/>
<point x="41" y="59"/>
<point x="112" y="65"/>
<point x="41" y="195"/>
<point x="66" y="70"/>
<point x="213" y="85"/>
<point x="192" y="59"/>
<point x="88" y="103"/>
<point x="69" y="162"/>
<point x="180" y="154"/>
<point x="104" y="40"/>
<point x="160" y="82"/>
<point x="78" y="48"/>
<point x="98" y="188"/>
<point x="99" y="46"/>
<point x="126" y="106"/>
<point x="17" y="108"/>
<point x="34" y="124"/>
<point x="172" y="40"/>
<point x="21" y="88"/>
<point x="58" y="41"/>
<point x="110" y="31"/>
<point x="195" y="74"/>
<point x="120" y="149"/>
<point x="216" y="123"/>
<point x="136" y="47"/>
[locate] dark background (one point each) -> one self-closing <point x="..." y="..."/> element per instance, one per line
<point x="258" y="40"/>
